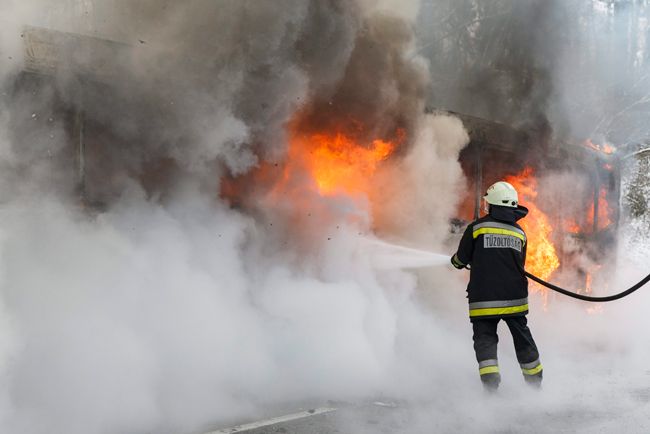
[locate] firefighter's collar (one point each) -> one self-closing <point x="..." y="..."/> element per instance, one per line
<point x="508" y="214"/>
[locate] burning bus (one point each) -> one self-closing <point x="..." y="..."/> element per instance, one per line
<point x="571" y="189"/>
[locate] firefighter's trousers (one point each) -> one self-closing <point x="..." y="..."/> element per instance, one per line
<point x="485" y="346"/>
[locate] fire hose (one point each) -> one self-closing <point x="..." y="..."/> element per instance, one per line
<point x="582" y="297"/>
<point x="588" y="297"/>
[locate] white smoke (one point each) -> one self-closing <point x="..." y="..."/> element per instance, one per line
<point x="169" y="318"/>
<point x="416" y="195"/>
<point x="170" y="311"/>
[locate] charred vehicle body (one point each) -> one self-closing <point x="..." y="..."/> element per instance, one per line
<point x="572" y="189"/>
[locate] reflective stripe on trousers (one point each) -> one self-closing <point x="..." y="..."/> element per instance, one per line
<point x="532" y="368"/>
<point x="490" y="366"/>
<point x="498" y="307"/>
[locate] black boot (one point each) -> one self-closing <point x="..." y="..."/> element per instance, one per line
<point x="534" y="381"/>
<point x="491" y="381"/>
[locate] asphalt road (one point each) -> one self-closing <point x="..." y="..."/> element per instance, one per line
<point x="625" y="411"/>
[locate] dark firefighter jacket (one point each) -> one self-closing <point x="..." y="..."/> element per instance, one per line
<point x="494" y="247"/>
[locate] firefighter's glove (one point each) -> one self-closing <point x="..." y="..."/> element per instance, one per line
<point x="456" y="262"/>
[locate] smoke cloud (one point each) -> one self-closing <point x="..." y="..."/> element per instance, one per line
<point x="155" y="306"/>
<point x="133" y="298"/>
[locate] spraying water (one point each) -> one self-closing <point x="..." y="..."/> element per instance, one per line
<point x="384" y="255"/>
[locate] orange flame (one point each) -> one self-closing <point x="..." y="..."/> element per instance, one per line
<point x="604" y="212"/>
<point x="588" y="281"/>
<point x="541" y="258"/>
<point x="608" y="149"/>
<point x="572" y="226"/>
<point x="605" y="148"/>
<point x="318" y="164"/>
<point x="336" y="162"/>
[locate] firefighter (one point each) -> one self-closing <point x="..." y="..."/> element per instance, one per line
<point x="494" y="248"/>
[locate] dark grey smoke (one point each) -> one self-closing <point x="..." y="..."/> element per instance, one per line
<point x="382" y="89"/>
<point x="493" y="59"/>
<point x="196" y="90"/>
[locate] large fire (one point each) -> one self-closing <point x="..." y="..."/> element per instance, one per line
<point x="318" y="164"/>
<point x="541" y="258"/>
<point x="336" y="162"/>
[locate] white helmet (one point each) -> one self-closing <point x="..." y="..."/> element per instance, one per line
<point x="503" y="194"/>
